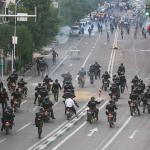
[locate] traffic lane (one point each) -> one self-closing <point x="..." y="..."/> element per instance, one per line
<point x="20" y="117"/>
<point x="126" y="97"/>
<point x="134" y="136"/>
<point x="139" y="50"/>
<point x="103" y="134"/>
<point x="100" y="54"/>
<point x="28" y="135"/>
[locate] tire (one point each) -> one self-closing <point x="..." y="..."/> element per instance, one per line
<point x="105" y="88"/>
<point x="7" y="130"/>
<point x="148" y="108"/>
<point x="39" y="132"/>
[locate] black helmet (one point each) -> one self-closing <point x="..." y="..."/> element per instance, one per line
<point x="39" y="84"/>
<point x="110" y="101"/>
<point x="121" y="64"/>
<point x="41" y="109"/>
<point x="92" y="98"/>
<point x="56" y="80"/>
<point x="106" y="72"/>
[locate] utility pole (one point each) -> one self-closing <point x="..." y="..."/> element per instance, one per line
<point x="14" y="37"/>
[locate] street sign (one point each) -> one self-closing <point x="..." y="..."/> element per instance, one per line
<point x="22" y="18"/>
<point x="14" y="39"/>
<point x="55" y="4"/>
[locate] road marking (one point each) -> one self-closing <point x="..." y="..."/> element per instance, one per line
<point x="59" y="64"/>
<point x="1" y="141"/>
<point x="23" y="102"/>
<point x="51" y="133"/>
<point x="112" y="64"/>
<point x="133" y="134"/>
<point x="34" y="109"/>
<point x="117" y="133"/>
<point x="92" y="131"/>
<point x="69" y="136"/>
<point x="24" y="126"/>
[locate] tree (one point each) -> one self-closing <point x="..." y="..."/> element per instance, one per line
<point x="73" y="10"/>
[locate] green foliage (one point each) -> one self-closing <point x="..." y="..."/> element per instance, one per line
<point x="73" y="10"/>
<point x="6" y="32"/>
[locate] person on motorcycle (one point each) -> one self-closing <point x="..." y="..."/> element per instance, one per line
<point x="43" y="92"/>
<point x="134" y="98"/>
<point x="68" y="87"/>
<point x="121" y="69"/>
<point x="70" y="103"/>
<point x="21" y="84"/>
<point x="92" y="106"/>
<point x="55" y="89"/>
<point x="16" y="96"/>
<point x="82" y="74"/>
<point x="146" y="98"/>
<point x="114" y="90"/>
<point x="12" y="79"/>
<point x="39" y="120"/>
<point x="105" y="77"/>
<point x="97" y="70"/>
<point x="116" y="79"/>
<point x="47" y="81"/>
<point x="37" y="89"/>
<point x="110" y="108"/>
<point x="1" y="85"/>
<point x="47" y="104"/>
<point x="134" y="81"/>
<point x="67" y="77"/>
<point x="8" y="115"/>
<point x="4" y="98"/>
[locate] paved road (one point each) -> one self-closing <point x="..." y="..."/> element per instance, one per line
<point x="78" y="134"/>
<point x="129" y="132"/>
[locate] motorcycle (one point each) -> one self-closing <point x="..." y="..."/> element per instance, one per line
<point x="11" y="86"/>
<point x="69" y="113"/>
<point x="7" y="126"/>
<point x="91" y="116"/>
<point x="105" y="85"/>
<point x="110" y="119"/>
<point x="81" y="81"/>
<point x="16" y="105"/>
<point x="46" y="115"/>
<point x="23" y="91"/>
<point x="148" y="105"/>
<point x="133" y="108"/>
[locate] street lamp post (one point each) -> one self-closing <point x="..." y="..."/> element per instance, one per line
<point x="14" y="37"/>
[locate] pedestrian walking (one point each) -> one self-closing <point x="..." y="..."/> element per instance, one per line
<point x="122" y="34"/>
<point x="54" y="55"/>
<point x="89" y="30"/>
<point x="108" y="37"/>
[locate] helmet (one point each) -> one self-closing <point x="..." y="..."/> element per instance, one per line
<point x="46" y="76"/>
<point x="56" y="80"/>
<point x="106" y="72"/>
<point x="41" y="109"/>
<point x="114" y="75"/>
<point x="92" y="98"/>
<point x="121" y="64"/>
<point x="110" y="101"/>
<point x="39" y="84"/>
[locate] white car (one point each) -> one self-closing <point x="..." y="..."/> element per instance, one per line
<point x="75" y="31"/>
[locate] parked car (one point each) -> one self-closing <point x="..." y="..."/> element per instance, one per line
<point x="75" y="31"/>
